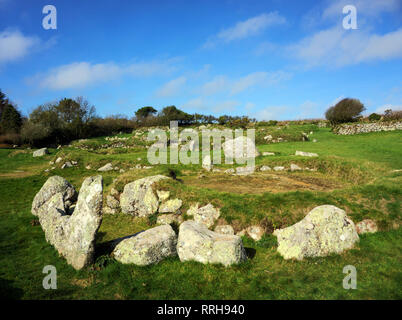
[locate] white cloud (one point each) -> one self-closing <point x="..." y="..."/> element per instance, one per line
<point x="271" y="113"/>
<point x="14" y="45"/>
<point x="83" y="74"/>
<point x="217" y="84"/>
<point x="339" y="47"/>
<point x="388" y="106"/>
<point x="200" y="103"/>
<point x="259" y="78"/>
<point x="172" y="87"/>
<point x="247" y="28"/>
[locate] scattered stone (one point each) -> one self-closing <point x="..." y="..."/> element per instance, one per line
<point x="197" y="243"/>
<point x="72" y="236"/>
<point x="255" y="232"/>
<point x="325" y="230"/>
<point x="279" y="168"/>
<point x="230" y="171"/>
<point x="366" y="226"/>
<point x="206" y="215"/>
<point x="241" y="233"/>
<point x="240" y="148"/>
<point x="40" y="152"/>
<point x="147" y="247"/>
<point x="59" y="159"/>
<point x="268" y="137"/>
<point x="114" y="192"/>
<point x="52" y="186"/>
<point x="106" y="167"/>
<point x="138" y="198"/>
<point x="306" y="154"/>
<point x="265" y="168"/>
<point x="74" y="163"/>
<point x="67" y="165"/>
<point x="170" y="206"/>
<point x="294" y="167"/>
<point x="51" y="162"/>
<point x="224" y="229"/>
<point x="314" y="140"/>
<point x="169" y="219"/>
<point x="112" y="202"/>
<point x="88" y="167"/>
<point x="108" y="210"/>
<point x="268" y="153"/>
<point x="122" y="171"/>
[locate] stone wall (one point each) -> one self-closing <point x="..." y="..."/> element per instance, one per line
<point x="356" y="128"/>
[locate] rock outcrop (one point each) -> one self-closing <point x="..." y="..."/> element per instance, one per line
<point x="41" y="152"/>
<point x="197" y="243"/>
<point x="366" y="226"/>
<point x="325" y="230"/>
<point x="72" y="236"/>
<point x="206" y="215"/>
<point x="138" y="198"/>
<point x="147" y="247"/>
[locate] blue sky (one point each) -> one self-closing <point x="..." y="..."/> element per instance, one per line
<point x="273" y="59"/>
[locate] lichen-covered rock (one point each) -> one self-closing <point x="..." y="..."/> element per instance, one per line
<point x="279" y="168"/>
<point x="224" y="229"/>
<point x="265" y="168"/>
<point x="74" y="236"/>
<point x="306" y="154"/>
<point x="52" y="186"/>
<point x="294" y="167"/>
<point x="138" y="198"/>
<point x="325" y="230"/>
<point x="366" y="226"/>
<point x="147" y="247"/>
<point x="197" y="243"/>
<point x="255" y="232"/>
<point x="170" y="206"/>
<point x="207" y="163"/>
<point x="240" y="148"/>
<point x="40" y="152"/>
<point x="244" y="171"/>
<point x="106" y="167"/>
<point x="112" y="202"/>
<point x="206" y="215"/>
<point x="163" y="195"/>
<point x="169" y="218"/>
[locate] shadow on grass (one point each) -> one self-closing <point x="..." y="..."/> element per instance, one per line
<point x="8" y="291"/>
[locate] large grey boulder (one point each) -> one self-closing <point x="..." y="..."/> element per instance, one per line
<point x="206" y="215"/>
<point x="41" y="152"/>
<point x="240" y="148"/>
<point x="138" y="198"/>
<point x="325" y="230"/>
<point x="74" y="236"/>
<point x="197" y="243"/>
<point x="147" y="247"/>
<point x="52" y="186"/>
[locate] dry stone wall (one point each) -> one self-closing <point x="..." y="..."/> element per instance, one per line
<point x="356" y="128"/>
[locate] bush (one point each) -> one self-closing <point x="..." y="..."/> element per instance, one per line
<point x="390" y="115"/>
<point x="374" y="117"/>
<point x="346" y="110"/>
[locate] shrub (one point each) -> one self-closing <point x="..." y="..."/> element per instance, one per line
<point x="346" y="110"/>
<point x="390" y="115"/>
<point x="374" y="117"/>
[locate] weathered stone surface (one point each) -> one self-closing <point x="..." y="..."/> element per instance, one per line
<point x="52" y="186"/>
<point x="255" y="232"/>
<point x="163" y="195"/>
<point x="294" y="167"/>
<point x="306" y="154"/>
<point x="206" y="215"/>
<point x="114" y="192"/>
<point x="59" y="159"/>
<point x="207" y="163"/>
<point x="230" y="171"/>
<point x="356" y="128"/>
<point x="106" y="167"/>
<point x="240" y="148"/>
<point x="279" y="168"/>
<point x="170" y="206"/>
<point x="112" y="202"/>
<point x="147" y="247"/>
<point x="325" y="230"/>
<point x="268" y="153"/>
<point x="74" y="236"/>
<point x="265" y="168"/>
<point x="41" y="152"/>
<point x="169" y="218"/>
<point x="197" y="243"/>
<point x="138" y="198"/>
<point x="224" y="229"/>
<point x="366" y="226"/>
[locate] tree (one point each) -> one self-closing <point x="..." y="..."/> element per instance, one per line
<point x="145" y="112"/>
<point x="346" y="110"/>
<point x="11" y="119"/>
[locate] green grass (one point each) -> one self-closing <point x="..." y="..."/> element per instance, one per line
<point x="359" y="176"/>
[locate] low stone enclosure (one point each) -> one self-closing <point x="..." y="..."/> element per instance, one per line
<point x="356" y="128"/>
<point x="70" y="222"/>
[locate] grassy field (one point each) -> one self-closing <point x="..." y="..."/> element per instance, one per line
<point x="356" y="173"/>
